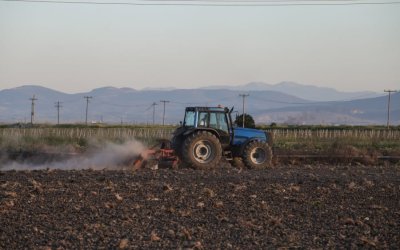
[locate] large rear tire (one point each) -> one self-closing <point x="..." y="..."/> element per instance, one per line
<point x="202" y="150"/>
<point x="257" y="155"/>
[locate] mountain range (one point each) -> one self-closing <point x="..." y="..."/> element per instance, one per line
<point x="308" y="92"/>
<point x="128" y="105"/>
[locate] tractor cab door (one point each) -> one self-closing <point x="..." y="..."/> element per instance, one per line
<point x="218" y="121"/>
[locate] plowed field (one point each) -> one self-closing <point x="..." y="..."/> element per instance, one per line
<point x="286" y="206"/>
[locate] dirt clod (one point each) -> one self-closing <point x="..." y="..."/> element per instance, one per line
<point x="124" y="243"/>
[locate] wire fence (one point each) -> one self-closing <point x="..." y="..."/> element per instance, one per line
<point x="166" y="133"/>
<point x="384" y="134"/>
<point x="86" y="133"/>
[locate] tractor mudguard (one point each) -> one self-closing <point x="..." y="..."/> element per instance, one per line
<point x="192" y="130"/>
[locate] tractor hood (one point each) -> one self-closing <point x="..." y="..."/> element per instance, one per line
<point x="241" y="135"/>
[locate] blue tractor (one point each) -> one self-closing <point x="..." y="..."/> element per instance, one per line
<point x="207" y="134"/>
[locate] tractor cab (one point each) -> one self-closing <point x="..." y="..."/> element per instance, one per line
<point x="207" y="117"/>
<point x="214" y="119"/>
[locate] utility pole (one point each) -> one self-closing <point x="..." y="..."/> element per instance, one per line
<point x="58" y="106"/>
<point x="154" y="111"/>
<point x="33" y="99"/>
<point x="87" y="106"/>
<point x="244" y="97"/>
<point x="388" y="109"/>
<point x="163" y="118"/>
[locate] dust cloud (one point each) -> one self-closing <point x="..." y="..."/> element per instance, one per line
<point x="111" y="156"/>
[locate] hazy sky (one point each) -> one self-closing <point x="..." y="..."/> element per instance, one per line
<point x="77" y="47"/>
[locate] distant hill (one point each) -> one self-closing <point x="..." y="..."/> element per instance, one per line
<point x="115" y="105"/>
<point x="357" y="112"/>
<point x="307" y="92"/>
<point x="127" y="105"/>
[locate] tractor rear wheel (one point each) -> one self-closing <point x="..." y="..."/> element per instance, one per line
<point x="257" y="155"/>
<point x="202" y="150"/>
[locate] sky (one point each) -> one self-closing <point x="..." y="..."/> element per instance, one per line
<point x="79" y="47"/>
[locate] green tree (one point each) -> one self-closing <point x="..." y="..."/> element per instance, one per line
<point x="248" y="121"/>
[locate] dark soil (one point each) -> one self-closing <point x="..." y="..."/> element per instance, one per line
<point x="286" y="206"/>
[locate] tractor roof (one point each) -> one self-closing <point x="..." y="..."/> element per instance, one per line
<point x="211" y="109"/>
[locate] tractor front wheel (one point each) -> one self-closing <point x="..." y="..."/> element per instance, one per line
<point x="202" y="150"/>
<point x="257" y="155"/>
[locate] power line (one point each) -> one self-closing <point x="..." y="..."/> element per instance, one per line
<point x="205" y="102"/>
<point x="121" y="105"/>
<point x="58" y="106"/>
<point x="33" y="99"/>
<point x="235" y="1"/>
<point x="163" y="118"/>
<point x="244" y="97"/>
<point x="149" y="108"/>
<point x="154" y="111"/>
<point x="388" y="108"/>
<point x="216" y="3"/>
<point x="87" y="106"/>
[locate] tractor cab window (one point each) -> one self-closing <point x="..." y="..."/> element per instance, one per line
<point x="203" y="119"/>
<point x="218" y="121"/>
<point x="189" y="119"/>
